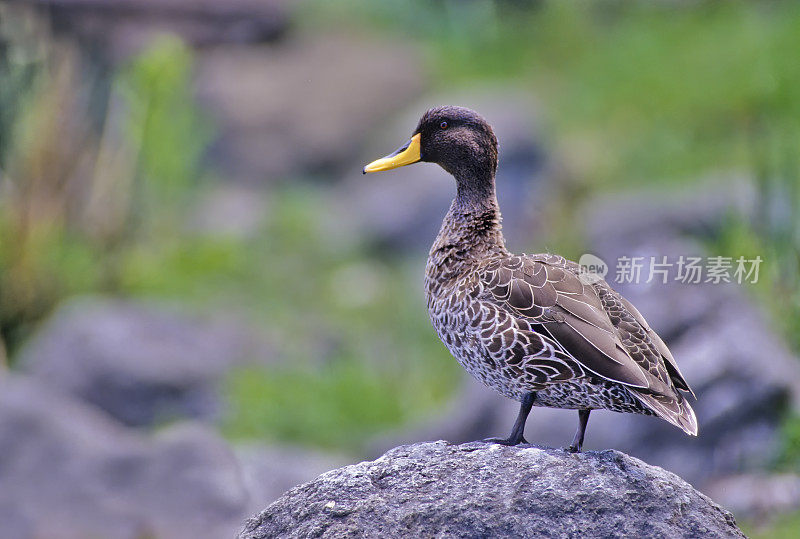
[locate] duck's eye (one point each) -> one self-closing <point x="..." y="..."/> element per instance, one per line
<point x="443" y="125"/>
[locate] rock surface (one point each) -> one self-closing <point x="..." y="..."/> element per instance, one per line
<point x="486" y="490"/>
<point x="67" y="471"/>
<point x="269" y="471"/>
<point x="122" y="27"/>
<point x="758" y="497"/>
<point x="143" y="363"/>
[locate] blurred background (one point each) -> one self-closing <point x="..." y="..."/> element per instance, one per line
<point x="203" y="302"/>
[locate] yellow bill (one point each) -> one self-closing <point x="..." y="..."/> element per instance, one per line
<point x="405" y="155"/>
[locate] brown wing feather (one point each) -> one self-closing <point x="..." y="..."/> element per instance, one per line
<point x="672" y="367"/>
<point x="575" y="319"/>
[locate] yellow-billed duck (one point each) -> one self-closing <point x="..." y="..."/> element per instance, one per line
<point x="529" y="326"/>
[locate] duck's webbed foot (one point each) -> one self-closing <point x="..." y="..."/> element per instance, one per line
<point x="516" y="436"/>
<point x="510" y="441"/>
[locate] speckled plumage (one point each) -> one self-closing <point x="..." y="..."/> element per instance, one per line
<point x="528" y="324"/>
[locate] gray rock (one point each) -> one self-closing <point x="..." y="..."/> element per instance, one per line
<point x="120" y="28"/>
<point x="657" y="213"/>
<point x="475" y="413"/>
<point x="143" y="363"/>
<point x="269" y="471"/>
<point x="69" y="471"/>
<point x="758" y="497"/>
<point x="486" y="490"/>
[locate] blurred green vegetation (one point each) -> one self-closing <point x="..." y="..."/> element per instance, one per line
<point x="784" y="527"/>
<point x="648" y="91"/>
<point x="75" y="204"/>
<point x="632" y="93"/>
<point x="162" y="122"/>
<point x="790" y="455"/>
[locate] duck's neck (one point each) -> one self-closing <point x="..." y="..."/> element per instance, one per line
<point x="470" y="232"/>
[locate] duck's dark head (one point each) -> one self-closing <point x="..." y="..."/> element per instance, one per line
<point x="456" y="138"/>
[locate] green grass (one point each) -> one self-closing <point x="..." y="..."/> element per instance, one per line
<point x="162" y="123"/>
<point x="332" y="405"/>
<point x="790" y="454"/>
<point x="339" y="404"/>
<point x="784" y="527"/>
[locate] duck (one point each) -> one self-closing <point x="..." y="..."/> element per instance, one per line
<point x="533" y="327"/>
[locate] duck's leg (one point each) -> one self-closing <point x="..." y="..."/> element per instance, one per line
<point x="577" y="441"/>
<point x="516" y="436"/>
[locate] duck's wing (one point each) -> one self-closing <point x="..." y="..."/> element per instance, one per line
<point x="593" y="324"/>
<point x="645" y="345"/>
<point x="618" y="308"/>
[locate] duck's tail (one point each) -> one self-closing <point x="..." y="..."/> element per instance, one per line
<point x="672" y="408"/>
